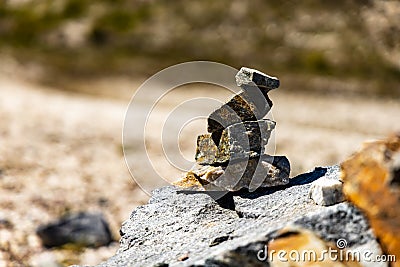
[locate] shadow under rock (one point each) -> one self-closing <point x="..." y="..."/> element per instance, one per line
<point x="300" y="179"/>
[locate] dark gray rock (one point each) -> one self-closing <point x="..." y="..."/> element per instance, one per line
<point x="263" y="171"/>
<point x="249" y="105"/>
<point x="237" y="141"/>
<point x="251" y="77"/>
<point x="331" y="222"/>
<point x="82" y="230"/>
<point x="178" y="228"/>
<point x="5" y="222"/>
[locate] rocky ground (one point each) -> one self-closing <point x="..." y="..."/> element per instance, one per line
<point x="61" y="152"/>
<point x="302" y="223"/>
<point x="234" y="229"/>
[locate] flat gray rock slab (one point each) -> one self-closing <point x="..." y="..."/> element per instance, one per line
<point x="179" y="228"/>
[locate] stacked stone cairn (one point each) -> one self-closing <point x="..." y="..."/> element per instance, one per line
<point x="231" y="156"/>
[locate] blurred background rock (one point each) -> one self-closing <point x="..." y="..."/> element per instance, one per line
<point x="68" y="69"/>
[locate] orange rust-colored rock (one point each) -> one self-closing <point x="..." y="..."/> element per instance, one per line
<point x="310" y="250"/>
<point x="372" y="182"/>
<point x="189" y="181"/>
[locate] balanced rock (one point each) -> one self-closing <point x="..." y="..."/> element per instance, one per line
<point x="250" y="105"/>
<point x="232" y="155"/>
<point x="238" y="141"/>
<point x="250" y="77"/>
<point x="263" y="171"/>
<point x="372" y="182"/>
<point x="81" y="230"/>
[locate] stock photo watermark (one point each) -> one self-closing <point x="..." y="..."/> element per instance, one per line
<point x="330" y="254"/>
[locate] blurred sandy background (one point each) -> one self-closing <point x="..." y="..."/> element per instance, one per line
<point x="69" y="68"/>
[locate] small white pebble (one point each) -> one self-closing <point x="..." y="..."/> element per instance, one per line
<point x="326" y="192"/>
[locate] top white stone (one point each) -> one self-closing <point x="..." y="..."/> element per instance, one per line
<point x="252" y="77"/>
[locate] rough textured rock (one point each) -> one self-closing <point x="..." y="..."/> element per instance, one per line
<point x="264" y="171"/>
<point x="341" y="221"/>
<point x="237" y="141"/>
<point x="327" y="191"/>
<point x="251" y="77"/>
<point x="249" y="105"/>
<point x="178" y="228"/>
<point x="372" y="182"/>
<point x="190" y="181"/>
<point x="81" y="230"/>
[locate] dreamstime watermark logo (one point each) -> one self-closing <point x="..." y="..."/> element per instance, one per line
<point x="160" y="111"/>
<point x="341" y="243"/>
<point x="326" y="255"/>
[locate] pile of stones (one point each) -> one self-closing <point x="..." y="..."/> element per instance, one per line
<point x="241" y="228"/>
<point x="231" y="156"/>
